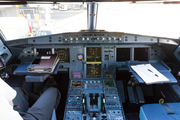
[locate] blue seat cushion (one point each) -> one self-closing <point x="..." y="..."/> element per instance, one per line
<point x="158" y="112"/>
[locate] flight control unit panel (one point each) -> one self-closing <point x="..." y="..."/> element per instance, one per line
<point x="93" y="100"/>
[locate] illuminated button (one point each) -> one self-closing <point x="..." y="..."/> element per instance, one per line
<point x="103" y="38"/>
<point x="87" y="38"/>
<point x="90" y="81"/>
<point x="114" y="38"/>
<point x="71" y="38"/>
<point x="97" y="38"/>
<point x="94" y="81"/>
<point x="83" y="38"/>
<point x="65" y="39"/>
<point x="98" y="81"/>
<point x="109" y="38"/>
<point x="76" y="38"/>
<point x="86" y="81"/>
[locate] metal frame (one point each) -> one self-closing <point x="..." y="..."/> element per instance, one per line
<point x="16" y="2"/>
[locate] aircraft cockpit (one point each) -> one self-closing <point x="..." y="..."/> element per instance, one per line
<point x="100" y="74"/>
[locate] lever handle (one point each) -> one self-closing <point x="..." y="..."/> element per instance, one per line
<point x="83" y="104"/>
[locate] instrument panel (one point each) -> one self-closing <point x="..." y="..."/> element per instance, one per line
<point x="94" y="55"/>
<point x="95" y="61"/>
<point x="96" y="100"/>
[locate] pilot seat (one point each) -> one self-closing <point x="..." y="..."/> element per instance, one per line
<point x="167" y="111"/>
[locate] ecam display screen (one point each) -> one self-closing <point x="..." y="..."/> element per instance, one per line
<point x="93" y="54"/>
<point x="76" y="84"/>
<point x="93" y="70"/>
<point x="109" y="83"/>
<point x="141" y="54"/>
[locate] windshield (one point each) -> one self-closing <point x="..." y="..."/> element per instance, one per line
<point x="24" y="21"/>
<point x="41" y="33"/>
<point x="160" y="20"/>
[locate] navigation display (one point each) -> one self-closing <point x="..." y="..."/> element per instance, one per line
<point x="123" y="54"/>
<point x="76" y="84"/>
<point x="63" y="54"/>
<point x="93" y="70"/>
<point x="109" y="83"/>
<point x="141" y="54"/>
<point x="93" y="54"/>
